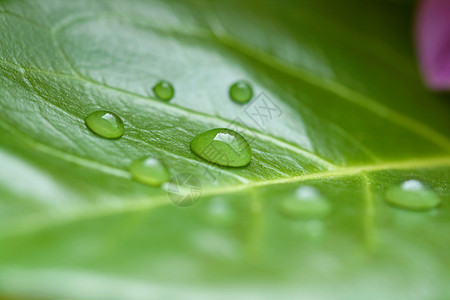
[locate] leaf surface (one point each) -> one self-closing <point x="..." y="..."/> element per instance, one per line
<point x="339" y="106"/>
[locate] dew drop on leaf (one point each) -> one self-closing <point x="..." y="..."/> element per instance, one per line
<point x="219" y="212"/>
<point x="305" y="202"/>
<point x="241" y="92"/>
<point x="105" y="124"/>
<point x="150" y="171"/>
<point x="412" y="195"/>
<point x="164" y="90"/>
<point x="222" y="146"/>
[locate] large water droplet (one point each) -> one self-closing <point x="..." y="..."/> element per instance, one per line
<point x="412" y="195"/>
<point x="149" y="170"/>
<point x="105" y="124"/>
<point x="164" y="90"/>
<point x="305" y="202"/>
<point x="222" y="146"/>
<point x="241" y="92"/>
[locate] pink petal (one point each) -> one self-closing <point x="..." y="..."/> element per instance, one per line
<point x="433" y="42"/>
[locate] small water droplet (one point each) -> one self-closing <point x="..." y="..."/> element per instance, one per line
<point x="219" y="212"/>
<point x="149" y="170"/>
<point x="222" y="146"/>
<point x="412" y="195"/>
<point x="241" y="92"/>
<point x="305" y="202"/>
<point x="164" y="90"/>
<point x="105" y="124"/>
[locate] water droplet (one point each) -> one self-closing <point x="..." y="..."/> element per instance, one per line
<point x="149" y="170"/>
<point x="412" y="195"/>
<point x="222" y="146"/>
<point x="241" y="92"/>
<point x="164" y="90"/>
<point x="305" y="202"/>
<point x="105" y="124"/>
<point x="220" y="213"/>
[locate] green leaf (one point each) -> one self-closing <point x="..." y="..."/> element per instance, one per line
<point x="338" y="106"/>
